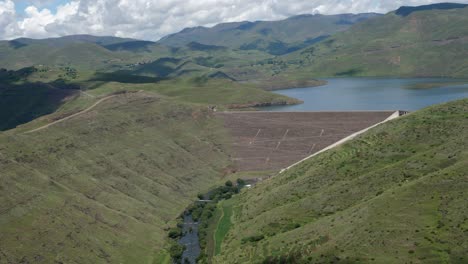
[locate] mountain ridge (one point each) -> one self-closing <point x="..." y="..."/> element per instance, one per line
<point x="259" y="35"/>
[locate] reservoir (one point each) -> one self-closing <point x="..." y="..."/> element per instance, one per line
<point x="374" y="94"/>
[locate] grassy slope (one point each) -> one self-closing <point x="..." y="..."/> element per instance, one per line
<point x="394" y="195"/>
<point x="222" y="93"/>
<point x="425" y="43"/>
<point x="102" y="187"/>
<point x="223" y="225"/>
<point x="86" y="53"/>
<point x="26" y="99"/>
<point x="54" y="58"/>
<point x="152" y="59"/>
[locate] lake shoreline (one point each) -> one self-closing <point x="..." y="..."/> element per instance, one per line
<point x="373" y="94"/>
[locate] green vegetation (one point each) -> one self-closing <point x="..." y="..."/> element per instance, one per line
<point x="223" y="225"/>
<point x="22" y="100"/>
<point x="273" y="37"/>
<point x="423" y="43"/>
<point x="393" y="195"/>
<point x="206" y="214"/>
<point x="110" y="183"/>
<point x="104" y="186"/>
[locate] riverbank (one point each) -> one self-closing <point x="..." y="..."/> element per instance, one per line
<point x="194" y="238"/>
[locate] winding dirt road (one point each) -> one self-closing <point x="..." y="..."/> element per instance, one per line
<point x="71" y="116"/>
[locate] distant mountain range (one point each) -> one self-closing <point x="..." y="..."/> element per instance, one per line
<point x="273" y="37"/>
<point x="412" y="41"/>
<point x="129" y="139"/>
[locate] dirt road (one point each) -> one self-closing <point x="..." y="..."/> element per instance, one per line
<point x="71" y="116"/>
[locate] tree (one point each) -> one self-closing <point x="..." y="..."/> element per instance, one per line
<point x="240" y="182"/>
<point x="229" y="184"/>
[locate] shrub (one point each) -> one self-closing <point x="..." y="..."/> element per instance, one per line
<point x="255" y="238"/>
<point x="240" y="182"/>
<point x="176" y="252"/>
<point x="175" y="233"/>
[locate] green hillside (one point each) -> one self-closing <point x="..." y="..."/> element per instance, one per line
<point x="88" y="55"/>
<point x="274" y="37"/>
<point x="103" y="186"/>
<point x="105" y="141"/>
<point x="422" y="43"/>
<point x="396" y="194"/>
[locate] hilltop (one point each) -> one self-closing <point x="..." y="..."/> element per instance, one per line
<point x="407" y="10"/>
<point x="412" y="42"/>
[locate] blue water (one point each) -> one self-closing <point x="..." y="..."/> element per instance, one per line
<point x="371" y="94"/>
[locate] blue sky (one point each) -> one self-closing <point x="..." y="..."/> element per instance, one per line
<point x="20" y="5"/>
<point x="153" y="19"/>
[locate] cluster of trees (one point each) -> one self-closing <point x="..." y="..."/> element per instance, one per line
<point x="70" y="72"/>
<point x="10" y="76"/>
<point x="226" y="191"/>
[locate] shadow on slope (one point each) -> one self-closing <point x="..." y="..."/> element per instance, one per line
<point x="408" y="10"/>
<point x="22" y="101"/>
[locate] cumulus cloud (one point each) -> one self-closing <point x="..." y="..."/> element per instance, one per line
<point x="153" y="19"/>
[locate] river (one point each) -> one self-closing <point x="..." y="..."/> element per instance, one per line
<point x="372" y="94"/>
<point x="190" y="240"/>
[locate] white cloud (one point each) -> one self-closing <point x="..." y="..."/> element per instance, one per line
<point x="152" y="19"/>
<point x="7" y="19"/>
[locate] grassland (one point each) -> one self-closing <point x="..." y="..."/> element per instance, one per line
<point x="25" y="97"/>
<point x="215" y="92"/>
<point x="103" y="186"/>
<point x="106" y="185"/>
<point x="223" y="225"/>
<point x="424" y="43"/>
<point x="393" y="195"/>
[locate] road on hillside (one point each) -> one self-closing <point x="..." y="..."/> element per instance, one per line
<point x="71" y="116"/>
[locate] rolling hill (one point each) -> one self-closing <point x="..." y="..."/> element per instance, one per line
<point x="412" y="41"/>
<point x="84" y="52"/>
<point x="105" y="141"/>
<point x="393" y="195"/>
<point x="103" y="186"/>
<point x="105" y="183"/>
<point x="88" y="55"/>
<point x="274" y="37"/>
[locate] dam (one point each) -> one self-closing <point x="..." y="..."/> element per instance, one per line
<point x="271" y="141"/>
